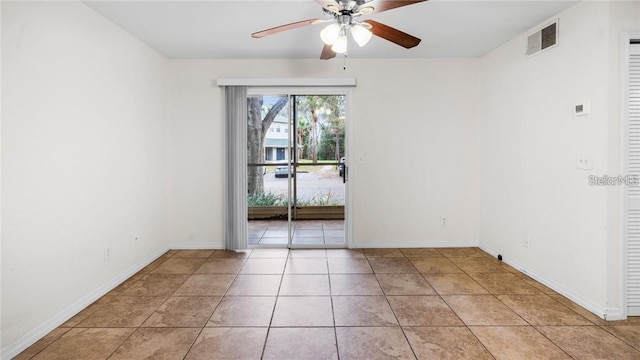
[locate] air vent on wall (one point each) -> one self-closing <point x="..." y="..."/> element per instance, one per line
<point x="542" y="39"/>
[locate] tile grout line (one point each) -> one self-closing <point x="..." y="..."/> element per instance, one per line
<point x="205" y="323"/>
<point x="529" y="324"/>
<point x="551" y="341"/>
<point x="386" y="298"/>
<point x="275" y="304"/>
<point x="147" y="318"/>
<point x="603" y="327"/>
<point x="465" y="324"/>
<point x="219" y="302"/>
<point x="333" y="312"/>
<point x="510" y="308"/>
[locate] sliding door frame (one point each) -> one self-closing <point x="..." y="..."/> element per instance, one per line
<point x="319" y="90"/>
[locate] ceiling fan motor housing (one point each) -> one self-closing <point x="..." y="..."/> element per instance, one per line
<point x="350" y="4"/>
<point x="344" y="20"/>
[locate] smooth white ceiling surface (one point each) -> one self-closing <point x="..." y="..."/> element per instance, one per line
<point x="221" y="29"/>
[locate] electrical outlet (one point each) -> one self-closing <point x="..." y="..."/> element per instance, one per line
<point x="584" y="162"/>
<point x="107" y="254"/>
<point x="443" y="221"/>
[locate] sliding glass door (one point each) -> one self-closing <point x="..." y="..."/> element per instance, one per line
<point x="296" y="170"/>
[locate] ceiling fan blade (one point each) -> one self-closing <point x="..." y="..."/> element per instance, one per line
<point x="394" y="35"/>
<point x="384" y="5"/>
<point x="327" y="53"/>
<point x="286" y="27"/>
<point x="330" y="5"/>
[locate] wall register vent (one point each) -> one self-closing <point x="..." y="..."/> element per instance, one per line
<point x="543" y="39"/>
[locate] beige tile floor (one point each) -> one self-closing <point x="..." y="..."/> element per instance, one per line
<point x="335" y="304"/>
<point x="304" y="232"/>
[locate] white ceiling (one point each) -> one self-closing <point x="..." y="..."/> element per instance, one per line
<point x="220" y="29"/>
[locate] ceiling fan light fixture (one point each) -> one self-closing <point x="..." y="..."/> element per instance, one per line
<point x="361" y="34"/>
<point x="340" y="46"/>
<point x="330" y="34"/>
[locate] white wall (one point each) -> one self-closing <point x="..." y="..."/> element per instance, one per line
<point x="84" y="161"/>
<point x="530" y="142"/>
<point x="414" y="121"/>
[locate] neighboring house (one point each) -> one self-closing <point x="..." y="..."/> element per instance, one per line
<point x="275" y="142"/>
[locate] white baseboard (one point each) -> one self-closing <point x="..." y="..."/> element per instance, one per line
<point x="414" y="244"/>
<point x="614" y="314"/>
<point x="603" y="313"/>
<point x="198" y="245"/>
<point x="38" y="333"/>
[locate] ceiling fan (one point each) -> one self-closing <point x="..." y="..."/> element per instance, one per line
<point x="343" y="18"/>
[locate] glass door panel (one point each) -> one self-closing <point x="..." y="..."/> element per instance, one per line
<point x="268" y="146"/>
<point x="319" y="191"/>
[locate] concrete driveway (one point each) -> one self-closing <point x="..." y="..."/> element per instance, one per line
<point x="317" y="183"/>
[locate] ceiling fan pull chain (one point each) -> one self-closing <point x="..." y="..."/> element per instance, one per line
<point x="344" y="62"/>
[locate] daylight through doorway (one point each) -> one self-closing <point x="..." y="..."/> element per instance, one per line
<point x="296" y="170"/>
